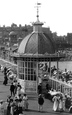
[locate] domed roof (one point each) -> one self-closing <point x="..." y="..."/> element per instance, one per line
<point x="36" y="43"/>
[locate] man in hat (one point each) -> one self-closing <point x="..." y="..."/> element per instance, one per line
<point x="40" y="89"/>
<point x="12" y="88"/>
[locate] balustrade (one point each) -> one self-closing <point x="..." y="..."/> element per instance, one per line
<point x="61" y="86"/>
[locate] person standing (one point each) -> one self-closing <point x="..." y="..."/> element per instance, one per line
<point x="56" y="103"/>
<point x="12" y="88"/>
<point x="5" y="71"/>
<point x="15" y="84"/>
<point x="48" y="87"/>
<point x="39" y="89"/>
<point x="40" y="102"/>
<point x="18" y="85"/>
<point x="25" y="99"/>
<point x="5" y="80"/>
<point x="5" y="76"/>
<point x="61" y="109"/>
<point x="18" y="89"/>
<point x="20" y="110"/>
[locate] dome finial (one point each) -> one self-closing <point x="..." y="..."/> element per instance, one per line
<point x="37" y="6"/>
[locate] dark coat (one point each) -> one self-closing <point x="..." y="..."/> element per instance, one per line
<point x="39" y="89"/>
<point x="67" y="103"/>
<point x="12" y="87"/>
<point x="40" y="100"/>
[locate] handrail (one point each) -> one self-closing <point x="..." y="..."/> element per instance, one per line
<point x="61" y="82"/>
<point x="8" y="62"/>
<point x="60" y="86"/>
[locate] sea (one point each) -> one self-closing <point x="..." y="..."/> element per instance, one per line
<point x="63" y="65"/>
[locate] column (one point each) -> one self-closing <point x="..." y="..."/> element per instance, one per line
<point x="50" y="67"/>
<point x="36" y="77"/>
<point x="24" y="79"/>
<point x="57" y="69"/>
<point x="17" y="69"/>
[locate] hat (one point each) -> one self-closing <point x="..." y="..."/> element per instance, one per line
<point x="16" y="99"/>
<point x="1" y="101"/>
<point x="8" y="96"/>
<point x="11" y="100"/>
<point x="40" y="95"/>
<point x="68" y="96"/>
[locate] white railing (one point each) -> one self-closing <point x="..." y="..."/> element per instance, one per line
<point x="8" y="62"/>
<point x="61" y="86"/>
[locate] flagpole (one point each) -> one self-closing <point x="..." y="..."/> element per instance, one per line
<point x="37" y="6"/>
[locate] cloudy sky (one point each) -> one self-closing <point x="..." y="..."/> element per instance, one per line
<point x="57" y="14"/>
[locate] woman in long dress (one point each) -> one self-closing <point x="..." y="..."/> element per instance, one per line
<point x="61" y="103"/>
<point x="18" y="92"/>
<point x="25" y="100"/>
<point x="56" y="103"/>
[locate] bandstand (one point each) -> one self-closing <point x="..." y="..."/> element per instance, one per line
<point x="35" y="48"/>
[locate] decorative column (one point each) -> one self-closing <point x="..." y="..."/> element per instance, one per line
<point x="37" y="79"/>
<point x="50" y="67"/>
<point x="24" y="79"/>
<point x="57" y="69"/>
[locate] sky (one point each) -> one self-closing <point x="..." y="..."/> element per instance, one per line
<point x="56" y="14"/>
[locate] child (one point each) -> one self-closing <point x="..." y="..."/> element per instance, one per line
<point x="20" y="110"/>
<point x="40" y="102"/>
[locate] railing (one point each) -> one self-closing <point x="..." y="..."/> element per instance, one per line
<point x="61" y="86"/>
<point x="9" y="62"/>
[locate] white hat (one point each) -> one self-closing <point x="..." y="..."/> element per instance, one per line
<point x="39" y="95"/>
<point x="1" y="101"/>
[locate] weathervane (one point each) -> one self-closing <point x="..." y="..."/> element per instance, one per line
<point x="37" y="6"/>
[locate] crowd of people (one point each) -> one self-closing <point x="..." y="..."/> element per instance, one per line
<point x="16" y="103"/>
<point x="64" y="76"/>
<point x="5" y="76"/>
<point x="9" y="75"/>
<point x="61" y="102"/>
